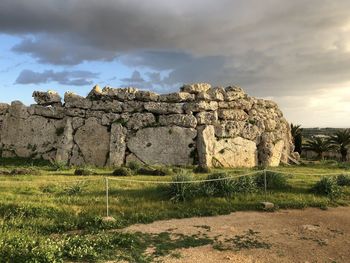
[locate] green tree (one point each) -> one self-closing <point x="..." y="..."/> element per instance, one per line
<point x="319" y="145"/>
<point x="341" y="141"/>
<point x="297" y="135"/>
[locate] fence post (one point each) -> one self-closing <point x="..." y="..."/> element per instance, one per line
<point x="107" y="198"/>
<point x="265" y="185"/>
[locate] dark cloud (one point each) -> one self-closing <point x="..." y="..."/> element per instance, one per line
<point x="73" y="78"/>
<point x="268" y="47"/>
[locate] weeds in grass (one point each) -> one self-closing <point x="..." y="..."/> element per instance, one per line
<point x="182" y="191"/>
<point x="74" y="189"/>
<point x="327" y="186"/>
<point x="84" y="171"/>
<point x="343" y="180"/>
<point x="122" y="171"/>
<point x="274" y="180"/>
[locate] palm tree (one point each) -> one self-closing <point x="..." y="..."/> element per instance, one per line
<point x="319" y="145"/>
<point x="296" y="131"/>
<point x="341" y="141"/>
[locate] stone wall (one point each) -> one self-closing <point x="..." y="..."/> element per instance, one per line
<point x="110" y="127"/>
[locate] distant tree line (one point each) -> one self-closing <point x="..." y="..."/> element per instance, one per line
<point x="339" y="142"/>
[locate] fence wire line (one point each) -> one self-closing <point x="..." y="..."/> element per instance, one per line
<point x="191" y="181"/>
<point x="313" y="174"/>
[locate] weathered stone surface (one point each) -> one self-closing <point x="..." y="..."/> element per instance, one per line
<point x="121" y="94"/>
<point x="271" y="148"/>
<point x="133" y="106"/>
<point x="243" y="104"/>
<point x="206" y="145"/>
<point x="145" y="95"/>
<point x="236" y="152"/>
<point x="73" y="100"/>
<point x="109" y="118"/>
<point x="133" y="158"/>
<point x="195" y="88"/>
<point x="201" y="106"/>
<point x="65" y="143"/>
<point x="140" y="120"/>
<point x="77" y="158"/>
<point x="235" y="115"/>
<point x="31" y="136"/>
<point x="215" y="94"/>
<point x="177" y="97"/>
<point x="163" y="107"/>
<point x="4" y="107"/>
<point x="77" y="122"/>
<point x="49" y="112"/>
<point x="95" y="94"/>
<point x="207" y="117"/>
<point x="221" y="114"/>
<point x="117" y="145"/>
<point x="47" y="98"/>
<point x="18" y="110"/>
<point x="107" y="106"/>
<point x="75" y="112"/>
<point x="183" y="120"/>
<point x="234" y="93"/>
<point x="163" y="145"/>
<point x="93" y="142"/>
<point x="95" y="114"/>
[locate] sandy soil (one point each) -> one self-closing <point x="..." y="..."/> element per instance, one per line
<point x="310" y="235"/>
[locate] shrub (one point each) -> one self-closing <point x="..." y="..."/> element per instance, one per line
<point x="135" y="166"/>
<point x="201" y="169"/>
<point x="84" y="171"/>
<point x="274" y="180"/>
<point x="122" y="171"/>
<point x="157" y="171"/>
<point x="75" y="189"/>
<point x="244" y="184"/>
<point x="228" y="187"/>
<point x="219" y="187"/>
<point x="343" y="180"/>
<point x="327" y="186"/>
<point x="180" y="192"/>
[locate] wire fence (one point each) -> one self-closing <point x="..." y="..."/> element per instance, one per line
<point x="106" y="180"/>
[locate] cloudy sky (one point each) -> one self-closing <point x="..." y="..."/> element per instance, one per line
<point x="294" y="52"/>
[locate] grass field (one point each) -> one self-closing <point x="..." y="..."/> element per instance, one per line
<point x="41" y="215"/>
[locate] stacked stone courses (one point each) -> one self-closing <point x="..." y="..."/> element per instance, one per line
<point x="209" y="126"/>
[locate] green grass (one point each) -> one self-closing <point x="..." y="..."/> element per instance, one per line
<point x="52" y="206"/>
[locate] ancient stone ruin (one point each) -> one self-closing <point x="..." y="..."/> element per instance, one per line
<point x="220" y="127"/>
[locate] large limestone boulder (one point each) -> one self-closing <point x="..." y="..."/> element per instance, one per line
<point x="65" y="143"/>
<point x="4" y="107"/>
<point x="117" y="145"/>
<point x="164" y="107"/>
<point x="140" y="120"/>
<point x="49" y="112"/>
<point x="93" y="142"/>
<point x="164" y="145"/>
<point x="196" y="88"/>
<point x="226" y="152"/>
<point x="73" y="100"/>
<point x="183" y="120"/>
<point x="47" y="98"/>
<point x="121" y="94"/>
<point x="30" y="137"/>
<point x="177" y="97"/>
<point x="236" y="152"/>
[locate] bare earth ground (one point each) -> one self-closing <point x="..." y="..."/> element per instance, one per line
<point x="310" y="235"/>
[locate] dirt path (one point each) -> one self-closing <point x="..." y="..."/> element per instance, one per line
<point x="310" y="235"/>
